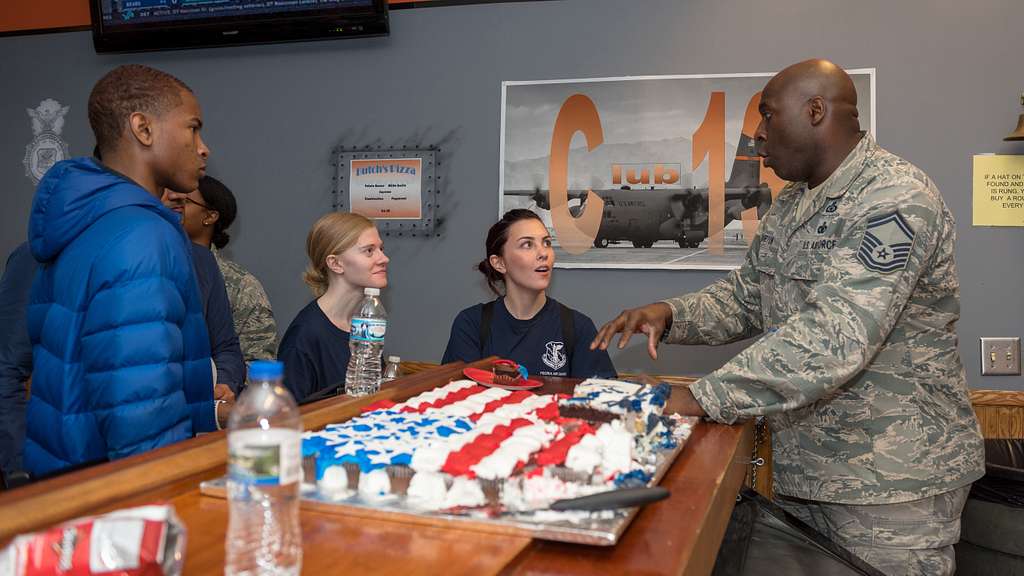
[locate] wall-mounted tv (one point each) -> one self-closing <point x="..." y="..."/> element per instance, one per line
<point x="140" y="25"/>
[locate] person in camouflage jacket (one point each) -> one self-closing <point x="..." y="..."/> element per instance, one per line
<point x="851" y="286"/>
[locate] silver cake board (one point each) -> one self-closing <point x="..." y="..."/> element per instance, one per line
<point x="597" y="529"/>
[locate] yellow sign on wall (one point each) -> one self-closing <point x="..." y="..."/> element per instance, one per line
<point x="998" y="190"/>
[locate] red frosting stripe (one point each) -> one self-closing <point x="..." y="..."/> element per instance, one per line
<point x="378" y="405"/>
<point x="460" y="462"/>
<point x="555" y="454"/>
<point x="451" y="398"/>
<point x="548" y="412"/>
<point x="513" y="398"/>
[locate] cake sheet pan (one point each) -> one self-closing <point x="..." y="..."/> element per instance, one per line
<point x="597" y="529"/>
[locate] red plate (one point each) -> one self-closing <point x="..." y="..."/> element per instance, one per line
<point x="486" y="377"/>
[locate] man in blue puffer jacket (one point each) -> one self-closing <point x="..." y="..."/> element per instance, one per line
<point x="120" y="350"/>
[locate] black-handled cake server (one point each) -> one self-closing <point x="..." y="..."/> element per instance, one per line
<point x="613" y="499"/>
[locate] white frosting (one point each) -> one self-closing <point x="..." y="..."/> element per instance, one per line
<point x="464" y="492"/>
<point x="375" y="484"/>
<point x="430" y="457"/>
<point x="334" y="482"/>
<point x="606" y="385"/>
<point x="616" y="448"/>
<point x="512" y="496"/>
<point x="427" y="491"/>
<point x="542" y="432"/>
<point x="586" y="455"/>
<point x="500" y="464"/>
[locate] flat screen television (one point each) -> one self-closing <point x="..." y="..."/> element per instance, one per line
<point x="140" y="25"/>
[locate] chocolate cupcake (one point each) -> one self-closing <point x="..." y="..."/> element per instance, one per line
<point x="505" y="372"/>
<point x="400" y="476"/>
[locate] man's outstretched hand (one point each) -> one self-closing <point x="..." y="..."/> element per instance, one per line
<point x="650" y="320"/>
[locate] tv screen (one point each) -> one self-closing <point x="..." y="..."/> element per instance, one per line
<point x="139" y="25"/>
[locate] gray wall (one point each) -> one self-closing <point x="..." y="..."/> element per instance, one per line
<point x="948" y="74"/>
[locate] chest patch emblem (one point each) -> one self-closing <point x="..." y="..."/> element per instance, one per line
<point x="886" y="244"/>
<point x="554" y="355"/>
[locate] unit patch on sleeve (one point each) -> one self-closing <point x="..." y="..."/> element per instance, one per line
<point x="887" y="243"/>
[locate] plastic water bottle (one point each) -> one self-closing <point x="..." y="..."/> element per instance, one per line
<point x="366" y="343"/>
<point x="393" y="369"/>
<point x="264" y="473"/>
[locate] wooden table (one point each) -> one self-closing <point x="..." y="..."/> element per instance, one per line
<point x="680" y="535"/>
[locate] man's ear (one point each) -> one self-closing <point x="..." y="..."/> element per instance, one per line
<point x="141" y="127"/>
<point x="498" y="263"/>
<point x="816" y="107"/>
<point x="334" y="264"/>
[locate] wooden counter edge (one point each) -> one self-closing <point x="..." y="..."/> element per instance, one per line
<point x="997" y="397"/>
<point x="48" y="502"/>
<point x="705" y="550"/>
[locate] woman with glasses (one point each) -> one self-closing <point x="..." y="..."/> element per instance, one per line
<point x="524" y="324"/>
<point x="346" y="255"/>
<point x="207" y="213"/>
<point x="226" y="354"/>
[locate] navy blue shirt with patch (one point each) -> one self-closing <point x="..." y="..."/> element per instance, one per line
<point x="315" y="353"/>
<point x="536" y="343"/>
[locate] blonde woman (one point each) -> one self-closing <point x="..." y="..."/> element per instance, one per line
<point x="346" y="255"/>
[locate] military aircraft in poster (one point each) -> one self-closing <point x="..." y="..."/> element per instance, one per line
<point x="644" y="216"/>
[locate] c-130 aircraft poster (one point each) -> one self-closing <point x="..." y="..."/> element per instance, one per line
<point x="657" y="172"/>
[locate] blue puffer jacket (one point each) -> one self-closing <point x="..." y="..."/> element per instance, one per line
<point x="120" y="350"/>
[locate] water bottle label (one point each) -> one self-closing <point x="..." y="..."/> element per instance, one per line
<point x="265" y="457"/>
<point x="368" y="329"/>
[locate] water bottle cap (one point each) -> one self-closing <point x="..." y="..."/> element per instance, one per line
<point x="394" y="359"/>
<point x="266" y="370"/>
<point x="371" y="291"/>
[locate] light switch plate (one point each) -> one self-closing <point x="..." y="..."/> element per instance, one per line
<point x="1000" y="356"/>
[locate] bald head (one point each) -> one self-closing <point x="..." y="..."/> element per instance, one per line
<point x="809" y="120"/>
<point x="819" y="78"/>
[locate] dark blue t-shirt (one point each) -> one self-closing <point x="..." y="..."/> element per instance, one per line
<point x="15" y="355"/>
<point x="224" y="347"/>
<point x="315" y="353"/>
<point x="537" y="343"/>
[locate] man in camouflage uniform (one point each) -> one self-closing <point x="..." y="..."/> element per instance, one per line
<point x="852" y="285"/>
<point x="250" y="309"/>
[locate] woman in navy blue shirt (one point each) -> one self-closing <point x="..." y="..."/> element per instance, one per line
<point x="346" y="255"/>
<point x="525" y="324"/>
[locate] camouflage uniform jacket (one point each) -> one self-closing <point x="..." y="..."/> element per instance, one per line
<point x="857" y="369"/>
<point x="250" y="309"/>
